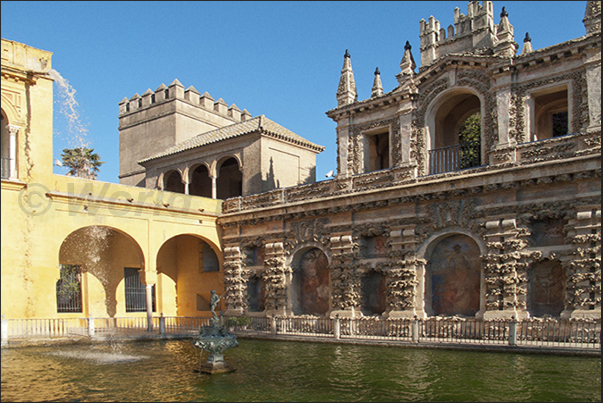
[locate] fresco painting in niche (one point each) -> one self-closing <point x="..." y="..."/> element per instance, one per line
<point x="547" y="286"/>
<point x="373" y="293"/>
<point x="455" y="276"/>
<point x="311" y="284"/>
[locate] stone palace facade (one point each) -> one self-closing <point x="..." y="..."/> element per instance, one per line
<point x="426" y="217"/>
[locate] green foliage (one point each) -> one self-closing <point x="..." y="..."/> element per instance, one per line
<point x="82" y="162"/>
<point x="70" y="282"/>
<point x="469" y="141"/>
<point x="471" y="129"/>
<point x="233" y="321"/>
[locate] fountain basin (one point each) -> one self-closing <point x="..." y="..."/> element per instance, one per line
<point x="215" y="339"/>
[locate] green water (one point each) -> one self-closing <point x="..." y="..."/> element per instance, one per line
<point x="292" y="371"/>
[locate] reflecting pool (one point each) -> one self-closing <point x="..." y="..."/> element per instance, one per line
<point x="292" y="371"/>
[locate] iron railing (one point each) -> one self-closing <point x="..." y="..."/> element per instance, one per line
<point x="136" y="293"/>
<point x="455" y="157"/>
<point x="69" y="289"/>
<point x="581" y="334"/>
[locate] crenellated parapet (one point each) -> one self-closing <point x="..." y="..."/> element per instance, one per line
<point x="475" y="31"/>
<point x="189" y="95"/>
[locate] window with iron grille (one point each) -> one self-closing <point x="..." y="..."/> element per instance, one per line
<point x="69" y="289"/>
<point x="136" y="294"/>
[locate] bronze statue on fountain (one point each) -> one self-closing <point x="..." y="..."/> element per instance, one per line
<point x="215" y="339"/>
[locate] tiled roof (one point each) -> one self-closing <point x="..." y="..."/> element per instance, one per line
<point x="258" y="124"/>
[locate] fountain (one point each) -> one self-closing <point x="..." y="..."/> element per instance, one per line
<point x="215" y="339"/>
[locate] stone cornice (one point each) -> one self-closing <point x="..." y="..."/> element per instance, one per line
<point x="391" y="98"/>
<point x="20" y="75"/>
<point x="447" y="186"/>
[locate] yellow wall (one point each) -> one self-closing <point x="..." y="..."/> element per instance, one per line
<point x="46" y="219"/>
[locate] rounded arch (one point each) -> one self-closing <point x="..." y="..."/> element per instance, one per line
<point x="199" y="179"/>
<point x="444" y="116"/>
<point x="189" y="266"/>
<point x="102" y="254"/>
<point x="452" y="278"/>
<point x="427" y="246"/>
<point x="173" y="181"/>
<point x="229" y="180"/>
<point x="294" y="254"/>
<point x="310" y="285"/>
<point x="10" y="112"/>
<point x="222" y="159"/>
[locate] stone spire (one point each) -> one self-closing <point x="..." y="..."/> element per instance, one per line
<point x="527" y="44"/>
<point x="377" y="86"/>
<point x="504" y="33"/>
<point x="592" y="17"/>
<point x="407" y="66"/>
<point x="346" y="93"/>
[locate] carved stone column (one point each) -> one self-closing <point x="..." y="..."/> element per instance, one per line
<point x="583" y="267"/>
<point x="404" y="300"/>
<point x="12" y="145"/>
<point x="149" y="279"/>
<point x="276" y="279"/>
<point x="235" y="291"/>
<point x="505" y="270"/>
<point x="214" y="187"/>
<point x="345" y="280"/>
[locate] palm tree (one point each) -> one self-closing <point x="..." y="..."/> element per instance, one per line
<point x="82" y="162"/>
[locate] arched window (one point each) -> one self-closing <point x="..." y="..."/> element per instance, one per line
<point x="455" y="133"/>
<point x="200" y="182"/>
<point x="230" y="180"/>
<point x="173" y="182"/>
<point x="8" y="149"/>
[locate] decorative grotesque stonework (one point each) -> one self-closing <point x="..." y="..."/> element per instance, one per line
<point x="386" y="224"/>
<point x="519" y="97"/>
<point x="584" y="268"/>
<point x="275" y="282"/>
<point x="402" y="283"/>
<point x="505" y="266"/>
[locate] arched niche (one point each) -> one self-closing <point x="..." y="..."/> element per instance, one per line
<point x="452" y="284"/>
<point x="310" y="290"/>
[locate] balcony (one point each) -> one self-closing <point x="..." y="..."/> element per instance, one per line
<point x="455" y="157"/>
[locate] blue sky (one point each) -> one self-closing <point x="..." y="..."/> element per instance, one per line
<point x="279" y="59"/>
